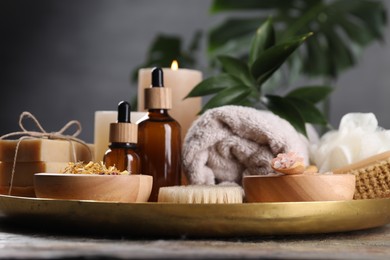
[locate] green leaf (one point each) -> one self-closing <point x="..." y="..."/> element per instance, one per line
<point x="234" y="5"/>
<point x="309" y="112"/>
<point x="275" y="56"/>
<point x="316" y="61"/>
<point x="213" y="85"/>
<point x="354" y="31"/>
<point x="195" y="41"/>
<point x="264" y="77"/>
<point x="341" y="57"/>
<point x="263" y="39"/>
<point x="245" y="102"/>
<point x="285" y="109"/>
<point x="313" y="94"/>
<point x="236" y="48"/>
<point x="356" y="24"/>
<point x="228" y="96"/>
<point x="230" y="30"/>
<point x="164" y="49"/>
<point x="237" y="69"/>
<point x="373" y="15"/>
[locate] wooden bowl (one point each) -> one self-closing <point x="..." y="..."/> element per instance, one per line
<point x="302" y="187"/>
<point x="114" y="188"/>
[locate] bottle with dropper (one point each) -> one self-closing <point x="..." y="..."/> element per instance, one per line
<point x="123" y="139"/>
<point x="159" y="137"/>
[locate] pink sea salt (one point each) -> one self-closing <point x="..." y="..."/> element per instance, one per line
<point x="286" y="160"/>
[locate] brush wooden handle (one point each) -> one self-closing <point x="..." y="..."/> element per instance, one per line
<point x="363" y="163"/>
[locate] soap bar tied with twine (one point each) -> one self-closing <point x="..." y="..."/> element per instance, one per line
<point x="42" y="134"/>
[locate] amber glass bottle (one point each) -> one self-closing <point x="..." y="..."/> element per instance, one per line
<point x="123" y="138"/>
<point x="159" y="138"/>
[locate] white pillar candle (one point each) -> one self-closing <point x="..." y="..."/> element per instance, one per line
<point x="103" y="119"/>
<point x="182" y="81"/>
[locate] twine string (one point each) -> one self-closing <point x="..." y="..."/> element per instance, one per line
<point x="59" y="135"/>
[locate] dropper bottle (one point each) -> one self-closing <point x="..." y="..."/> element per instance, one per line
<point x="123" y="139"/>
<point x="159" y="137"/>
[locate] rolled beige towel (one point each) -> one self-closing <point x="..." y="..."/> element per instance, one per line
<point x="229" y="142"/>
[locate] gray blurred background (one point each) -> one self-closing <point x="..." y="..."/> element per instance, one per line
<point x="63" y="60"/>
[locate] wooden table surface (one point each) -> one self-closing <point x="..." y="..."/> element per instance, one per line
<point x="25" y="242"/>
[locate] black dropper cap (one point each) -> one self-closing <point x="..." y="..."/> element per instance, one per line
<point x="124" y="110"/>
<point x="123" y="131"/>
<point x="158" y="97"/>
<point x="157" y="77"/>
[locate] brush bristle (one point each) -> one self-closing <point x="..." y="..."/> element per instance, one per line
<point x="372" y="181"/>
<point x="201" y="194"/>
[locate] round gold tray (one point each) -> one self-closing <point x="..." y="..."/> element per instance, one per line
<point x="201" y="220"/>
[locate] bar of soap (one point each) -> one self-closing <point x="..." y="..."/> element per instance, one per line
<point x="24" y="171"/>
<point x="43" y="150"/>
<point x="23" y="182"/>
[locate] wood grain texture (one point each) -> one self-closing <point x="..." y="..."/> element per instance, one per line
<point x="297" y="168"/>
<point x="21" y="242"/>
<point x="158" y="98"/>
<point x="303" y="187"/>
<point x="117" y="188"/>
<point x="123" y="133"/>
<point x="363" y="163"/>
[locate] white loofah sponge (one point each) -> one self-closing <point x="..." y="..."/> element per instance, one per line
<point x="357" y="138"/>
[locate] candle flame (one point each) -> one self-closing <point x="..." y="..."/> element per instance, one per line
<point x="174" y="65"/>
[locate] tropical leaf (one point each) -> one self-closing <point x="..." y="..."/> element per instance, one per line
<point x="315" y="63"/>
<point x="340" y="55"/>
<point x="285" y="109"/>
<point x="237" y="86"/>
<point x="275" y="56"/>
<point x="313" y="94"/>
<point x="237" y="68"/>
<point x="213" y="85"/>
<point x="166" y="48"/>
<point x="308" y="111"/>
<point x="163" y="50"/>
<point x="232" y="48"/>
<point x="346" y="26"/>
<point x="228" y="96"/>
<point x="234" y="5"/>
<point x="195" y="41"/>
<point x="342" y="29"/>
<point x="371" y="14"/>
<point x="231" y="31"/>
<point x="264" y="39"/>
<point x="353" y="29"/>
<point x="265" y="76"/>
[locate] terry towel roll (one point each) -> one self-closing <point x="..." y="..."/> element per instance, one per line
<point x="229" y="142"/>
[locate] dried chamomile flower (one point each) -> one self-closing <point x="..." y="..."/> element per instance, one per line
<point x="92" y="168"/>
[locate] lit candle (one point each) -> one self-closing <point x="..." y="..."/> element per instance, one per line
<point x="181" y="81"/>
<point x="103" y="119"/>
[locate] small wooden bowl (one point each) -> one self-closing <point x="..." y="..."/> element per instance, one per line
<point x="302" y="187"/>
<point x="114" y="188"/>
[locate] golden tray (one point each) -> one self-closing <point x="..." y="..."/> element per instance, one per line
<point x="200" y="220"/>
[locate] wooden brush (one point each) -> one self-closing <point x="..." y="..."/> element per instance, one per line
<point x="201" y="194"/>
<point x="372" y="176"/>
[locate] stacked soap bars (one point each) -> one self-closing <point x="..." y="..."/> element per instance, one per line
<point x="35" y="156"/>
